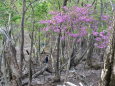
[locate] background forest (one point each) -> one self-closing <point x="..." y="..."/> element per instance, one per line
<point x="57" y="42"/>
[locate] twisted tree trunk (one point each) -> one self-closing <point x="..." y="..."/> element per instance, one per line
<point x="108" y="73"/>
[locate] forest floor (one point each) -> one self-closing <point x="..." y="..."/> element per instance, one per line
<point x="82" y="75"/>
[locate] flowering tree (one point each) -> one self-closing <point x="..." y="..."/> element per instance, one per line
<point x="77" y="22"/>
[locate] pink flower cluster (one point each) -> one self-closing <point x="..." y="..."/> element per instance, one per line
<point x="101" y="38"/>
<point x="104" y="17"/>
<point x="74" y="22"/>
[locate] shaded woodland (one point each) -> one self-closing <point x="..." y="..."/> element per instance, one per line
<point x="57" y="42"/>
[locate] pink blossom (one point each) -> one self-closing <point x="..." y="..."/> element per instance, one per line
<point x="104" y="17"/>
<point x="45" y="21"/>
<point x="73" y="35"/>
<point x="60" y="18"/>
<point x="83" y="32"/>
<point x="85" y="18"/>
<point x="56" y="30"/>
<point x="101" y="46"/>
<point x="81" y="10"/>
<point x="110" y="27"/>
<point x="98" y="39"/>
<point x="105" y="37"/>
<point x="95" y="33"/>
<point x="88" y="5"/>
<point x="46" y="29"/>
<point x="65" y="8"/>
<point x="53" y="13"/>
<point x="101" y="34"/>
<point x="63" y="37"/>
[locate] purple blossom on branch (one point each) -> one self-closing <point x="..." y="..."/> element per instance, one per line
<point x="77" y="20"/>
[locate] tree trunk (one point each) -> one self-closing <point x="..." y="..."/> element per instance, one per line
<point x="57" y="72"/>
<point x="65" y="2"/>
<point x="108" y="73"/>
<point x="90" y="51"/>
<point x="22" y="39"/>
<point x="32" y="41"/>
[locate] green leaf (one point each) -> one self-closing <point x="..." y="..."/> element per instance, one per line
<point x="14" y="18"/>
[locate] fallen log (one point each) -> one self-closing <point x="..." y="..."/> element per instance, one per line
<point x="70" y="84"/>
<point x="37" y="74"/>
<point x="41" y="71"/>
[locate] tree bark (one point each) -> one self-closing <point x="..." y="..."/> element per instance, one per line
<point x="22" y="38"/>
<point x="65" y="2"/>
<point x="32" y="41"/>
<point x="108" y="73"/>
<point x="57" y="72"/>
<point x="90" y="51"/>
